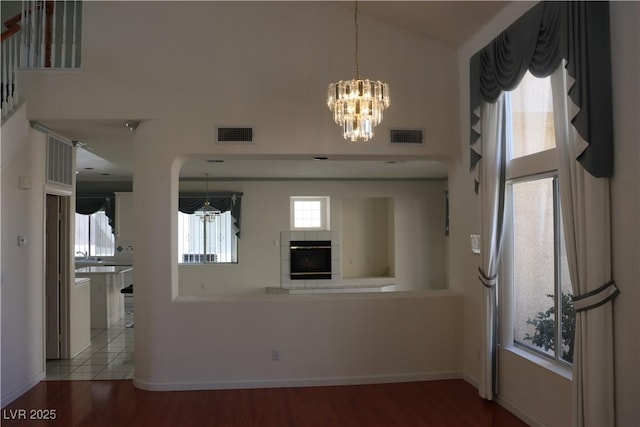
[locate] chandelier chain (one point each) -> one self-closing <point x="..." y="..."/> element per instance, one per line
<point x="355" y="18"/>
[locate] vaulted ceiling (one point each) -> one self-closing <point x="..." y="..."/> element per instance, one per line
<point x="107" y="153"/>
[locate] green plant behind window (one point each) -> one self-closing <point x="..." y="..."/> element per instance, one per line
<point x="545" y="328"/>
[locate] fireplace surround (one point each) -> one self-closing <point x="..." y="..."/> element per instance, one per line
<point x="331" y="237"/>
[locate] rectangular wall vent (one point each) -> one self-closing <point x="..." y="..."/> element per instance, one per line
<point x="59" y="161"/>
<point x="406" y="136"/>
<point x="235" y="134"/>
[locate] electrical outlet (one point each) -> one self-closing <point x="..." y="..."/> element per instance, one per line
<point x="275" y="355"/>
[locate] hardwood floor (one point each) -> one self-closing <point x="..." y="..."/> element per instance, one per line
<point x="118" y="403"/>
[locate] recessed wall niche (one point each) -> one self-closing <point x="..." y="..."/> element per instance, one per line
<point x="368" y="237"/>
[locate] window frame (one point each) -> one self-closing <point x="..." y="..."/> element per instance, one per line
<point x="528" y="168"/>
<point x="508" y="261"/>
<point x="325" y="224"/>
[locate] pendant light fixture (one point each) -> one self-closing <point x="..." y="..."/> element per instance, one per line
<point x="207" y="213"/>
<point x="357" y="104"/>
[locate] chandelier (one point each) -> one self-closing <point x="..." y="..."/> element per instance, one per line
<point x="207" y="213"/>
<point x="357" y="104"/>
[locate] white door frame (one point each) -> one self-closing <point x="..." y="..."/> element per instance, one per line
<point x="66" y="272"/>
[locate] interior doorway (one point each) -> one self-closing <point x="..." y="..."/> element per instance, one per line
<point x="57" y="249"/>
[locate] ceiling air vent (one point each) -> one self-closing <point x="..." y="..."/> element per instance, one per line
<point x="235" y="135"/>
<point x="406" y="136"/>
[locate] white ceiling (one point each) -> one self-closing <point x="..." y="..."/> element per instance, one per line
<point x="108" y="149"/>
<point x="449" y="22"/>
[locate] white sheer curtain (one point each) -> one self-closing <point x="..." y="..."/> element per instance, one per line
<point x="491" y="191"/>
<point x="586" y="222"/>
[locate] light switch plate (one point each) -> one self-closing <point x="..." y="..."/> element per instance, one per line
<point x="24" y="183"/>
<point x="475" y="243"/>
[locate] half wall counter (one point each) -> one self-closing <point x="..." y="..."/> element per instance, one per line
<point x="107" y="303"/>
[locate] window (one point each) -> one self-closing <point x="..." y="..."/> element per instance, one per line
<point x="207" y="242"/>
<point x="310" y="213"/>
<point x="541" y="310"/>
<point x="94" y="235"/>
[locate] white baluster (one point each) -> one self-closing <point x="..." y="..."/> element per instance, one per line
<point x="3" y="89"/>
<point x="33" y="41"/>
<point x="43" y="33"/>
<point x="30" y="32"/>
<point x="53" y="37"/>
<point x="63" y="62"/>
<point x="73" y="45"/>
<point x="4" y="79"/>
<point x="16" y="55"/>
<point x="10" y="66"/>
<point x="23" y="36"/>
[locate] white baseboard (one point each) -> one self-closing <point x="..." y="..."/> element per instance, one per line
<point x="295" y="382"/>
<point x="13" y="395"/>
<point x="473" y="381"/>
<point x="509" y="406"/>
<point x="83" y="348"/>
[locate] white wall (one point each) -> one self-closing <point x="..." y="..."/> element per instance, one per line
<point x="419" y="232"/>
<point x="368" y="236"/>
<point x="625" y="205"/>
<point x="551" y="403"/>
<point x="261" y="64"/>
<point x="22" y="291"/>
<point x="464" y="203"/>
<point x="322" y="340"/>
<point x="220" y="341"/>
<point x="267" y="65"/>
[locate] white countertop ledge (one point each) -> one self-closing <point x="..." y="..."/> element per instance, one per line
<point x="101" y="269"/>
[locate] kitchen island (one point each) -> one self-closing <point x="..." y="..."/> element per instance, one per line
<point x="107" y="303"/>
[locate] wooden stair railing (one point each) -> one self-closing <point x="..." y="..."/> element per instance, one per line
<point x="30" y="41"/>
<point x="14" y="26"/>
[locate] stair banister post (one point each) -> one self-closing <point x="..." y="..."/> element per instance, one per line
<point x="4" y="81"/>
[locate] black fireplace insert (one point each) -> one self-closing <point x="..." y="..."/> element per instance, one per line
<point x="310" y="259"/>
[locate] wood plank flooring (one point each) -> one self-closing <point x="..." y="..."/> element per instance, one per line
<point x="118" y="403"/>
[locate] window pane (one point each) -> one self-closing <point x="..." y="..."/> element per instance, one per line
<point x="307" y="214"/>
<point x="200" y="242"/>
<point x="190" y="238"/>
<point x="94" y="235"/>
<point x="534" y="261"/>
<point x="532" y="116"/>
<point x="82" y="234"/>
<point x="102" y="237"/>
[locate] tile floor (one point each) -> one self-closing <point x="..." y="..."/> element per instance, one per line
<point x="109" y="357"/>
